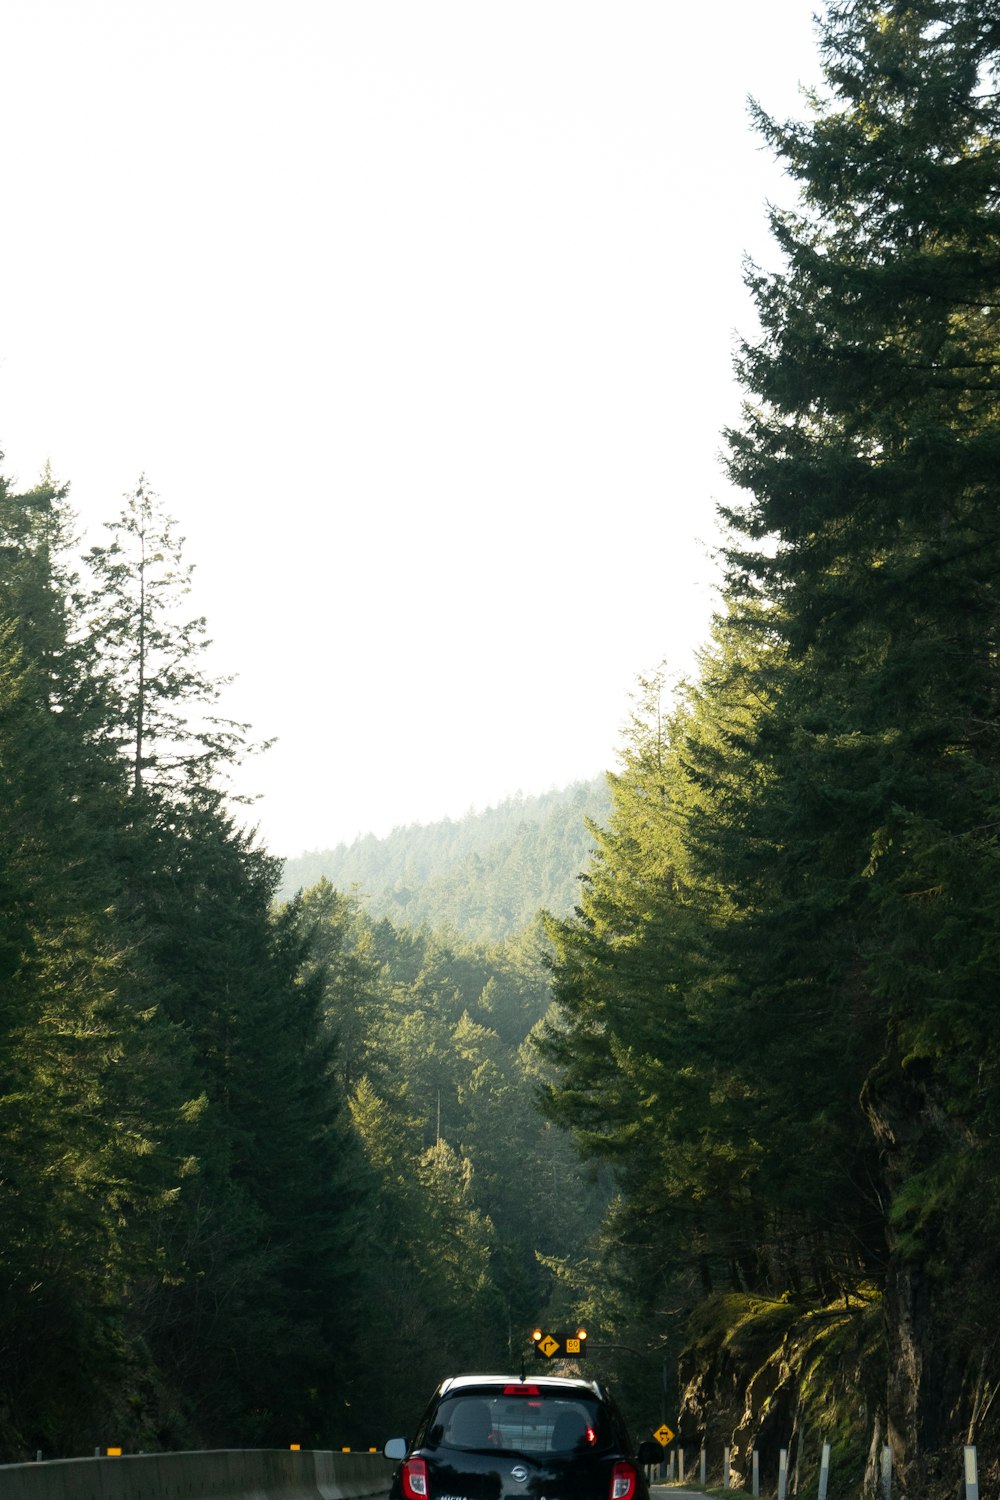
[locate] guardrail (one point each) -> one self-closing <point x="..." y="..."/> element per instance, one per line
<point x="226" y="1474"/>
<point x="672" y="1468"/>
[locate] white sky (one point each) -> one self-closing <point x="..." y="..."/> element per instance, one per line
<point x="418" y="315"/>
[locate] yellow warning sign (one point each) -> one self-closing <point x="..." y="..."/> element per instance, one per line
<point x="663" y="1435"/>
<point x="549" y="1346"/>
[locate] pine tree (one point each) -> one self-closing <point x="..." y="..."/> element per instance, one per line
<point x="263" y="1250"/>
<point x="259" y="1248"/>
<point x="174" y="736"/>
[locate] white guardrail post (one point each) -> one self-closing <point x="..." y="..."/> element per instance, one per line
<point x="782" y="1473"/>
<point x="824" y="1471"/>
<point x="971" y="1473"/>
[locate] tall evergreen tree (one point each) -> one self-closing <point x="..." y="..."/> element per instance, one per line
<point x="264" y="1249"/>
<point x="871" y="531"/>
<point x="174" y="735"/>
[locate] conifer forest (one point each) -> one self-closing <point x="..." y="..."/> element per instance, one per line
<point x="705" y="1053"/>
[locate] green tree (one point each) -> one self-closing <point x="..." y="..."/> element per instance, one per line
<point x="428" y="1287"/>
<point x="341" y="954"/>
<point x="265" y="1247"/>
<point x="638" y="1072"/>
<point x="173" y="734"/>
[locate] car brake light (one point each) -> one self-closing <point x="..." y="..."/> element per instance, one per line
<point x="414" y="1477"/>
<point x="520" y="1390"/>
<point x="623" y="1482"/>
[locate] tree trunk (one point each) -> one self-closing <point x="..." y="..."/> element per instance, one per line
<point x="897" y="1108"/>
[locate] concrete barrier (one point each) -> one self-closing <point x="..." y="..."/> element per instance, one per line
<point x="228" y="1474"/>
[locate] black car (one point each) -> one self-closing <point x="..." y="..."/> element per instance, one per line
<point x="507" y="1437"/>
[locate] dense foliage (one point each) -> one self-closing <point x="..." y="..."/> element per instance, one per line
<point x="777" y="1000"/>
<point x="266" y="1169"/>
<point x="480" y="1201"/>
<point x="178" y="1180"/>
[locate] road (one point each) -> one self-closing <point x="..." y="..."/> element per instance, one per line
<point x="665" y="1488"/>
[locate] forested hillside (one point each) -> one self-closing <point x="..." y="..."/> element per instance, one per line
<point x="485" y="876"/>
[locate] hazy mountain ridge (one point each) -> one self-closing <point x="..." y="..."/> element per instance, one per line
<point x="485" y="875"/>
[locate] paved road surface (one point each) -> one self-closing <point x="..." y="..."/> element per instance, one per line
<point x="666" y="1489"/>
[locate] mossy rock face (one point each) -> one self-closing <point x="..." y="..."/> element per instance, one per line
<point x="765" y="1375"/>
<point x="729" y="1335"/>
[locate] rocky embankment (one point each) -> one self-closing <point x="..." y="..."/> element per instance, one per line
<point x="765" y="1375"/>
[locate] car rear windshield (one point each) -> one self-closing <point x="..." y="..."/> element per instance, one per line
<point x="539" y="1422"/>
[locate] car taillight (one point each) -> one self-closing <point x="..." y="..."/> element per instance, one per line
<point x="623" y="1482"/>
<point x="414" y="1477"/>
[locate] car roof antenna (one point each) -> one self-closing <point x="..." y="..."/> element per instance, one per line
<point x="523" y="1376"/>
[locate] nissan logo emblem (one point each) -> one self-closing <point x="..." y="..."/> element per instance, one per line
<point x="520" y="1473"/>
